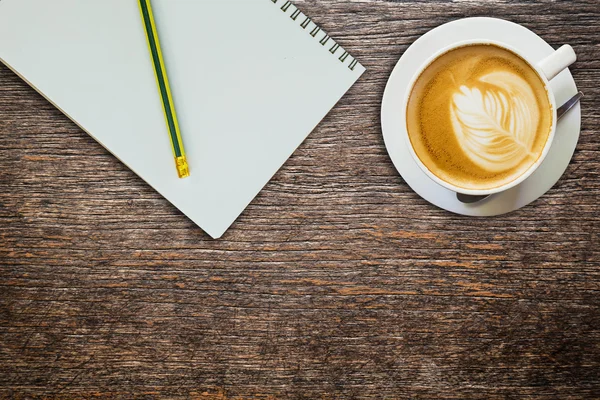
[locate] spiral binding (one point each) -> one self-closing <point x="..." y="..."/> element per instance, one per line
<point x="325" y="40"/>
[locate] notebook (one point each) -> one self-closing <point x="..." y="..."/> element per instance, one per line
<point x="250" y="80"/>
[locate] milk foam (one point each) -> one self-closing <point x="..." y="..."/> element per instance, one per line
<point x="496" y="120"/>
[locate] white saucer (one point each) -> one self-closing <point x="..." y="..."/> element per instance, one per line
<point x="549" y="172"/>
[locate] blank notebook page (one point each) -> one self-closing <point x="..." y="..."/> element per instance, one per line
<point x="250" y="80"/>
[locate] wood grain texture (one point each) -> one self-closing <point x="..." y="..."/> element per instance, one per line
<point x="337" y="282"/>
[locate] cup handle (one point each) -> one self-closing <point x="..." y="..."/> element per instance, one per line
<point x="557" y="61"/>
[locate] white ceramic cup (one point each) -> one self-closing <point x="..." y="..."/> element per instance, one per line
<point x="546" y="69"/>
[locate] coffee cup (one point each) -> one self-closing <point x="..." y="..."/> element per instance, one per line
<point x="481" y="116"/>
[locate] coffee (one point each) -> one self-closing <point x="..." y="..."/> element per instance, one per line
<point x="479" y="117"/>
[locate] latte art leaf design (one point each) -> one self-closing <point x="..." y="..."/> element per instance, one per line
<point x="495" y="122"/>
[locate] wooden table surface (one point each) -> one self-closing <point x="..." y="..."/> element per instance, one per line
<point x="337" y="282"/>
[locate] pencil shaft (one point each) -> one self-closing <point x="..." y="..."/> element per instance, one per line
<point x="163" y="86"/>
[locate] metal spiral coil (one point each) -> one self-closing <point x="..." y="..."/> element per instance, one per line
<point x="323" y="40"/>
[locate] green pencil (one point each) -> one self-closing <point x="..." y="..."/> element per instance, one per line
<point x="164" y="89"/>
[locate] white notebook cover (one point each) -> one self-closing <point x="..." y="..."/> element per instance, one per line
<point x="250" y="80"/>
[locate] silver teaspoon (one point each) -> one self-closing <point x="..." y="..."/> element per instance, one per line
<point x="561" y="112"/>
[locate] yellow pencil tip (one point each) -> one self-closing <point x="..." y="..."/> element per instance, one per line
<point x="182" y="167"/>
